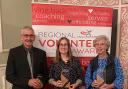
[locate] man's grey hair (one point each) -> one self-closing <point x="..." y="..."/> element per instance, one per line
<point x="26" y="27"/>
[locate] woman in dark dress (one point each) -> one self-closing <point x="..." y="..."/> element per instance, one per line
<point x="66" y="72"/>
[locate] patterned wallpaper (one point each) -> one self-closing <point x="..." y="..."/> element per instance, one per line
<point x="103" y="2"/>
<point x="124" y="42"/>
<point x="122" y="6"/>
<point x="83" y="2"/>
<point x="124" y="1"/>
<point x="91" y="2"/>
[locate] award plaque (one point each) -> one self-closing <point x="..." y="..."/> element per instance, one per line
<point x="65" y="78"/>
<point x="100" y="77"/>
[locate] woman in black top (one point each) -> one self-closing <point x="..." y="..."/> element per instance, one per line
<point x="66" y="72"/>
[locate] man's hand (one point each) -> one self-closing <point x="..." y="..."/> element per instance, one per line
<point x="35" y="83"/>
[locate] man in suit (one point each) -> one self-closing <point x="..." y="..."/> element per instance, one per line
<point x="27" y="71"/>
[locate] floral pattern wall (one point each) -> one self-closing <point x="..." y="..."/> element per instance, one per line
<point x="123" y="52"/>
<point x="122" y="6"/>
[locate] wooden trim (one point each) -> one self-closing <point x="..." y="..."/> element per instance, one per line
<point x="2" y="65"/>
<point x="1" y="46"/>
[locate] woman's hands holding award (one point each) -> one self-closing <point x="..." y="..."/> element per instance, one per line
<point x="98" y="82"/>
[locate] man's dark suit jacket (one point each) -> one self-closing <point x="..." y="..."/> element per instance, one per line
<point x="18" y="71"/>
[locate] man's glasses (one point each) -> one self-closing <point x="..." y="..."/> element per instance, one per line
<point x="28" y="35"/>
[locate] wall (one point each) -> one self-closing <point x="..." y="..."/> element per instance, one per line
<point x="14" y="15"/>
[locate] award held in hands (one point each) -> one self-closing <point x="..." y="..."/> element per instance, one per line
<point x="65" y="78"/>
<point x="100" y="77"/>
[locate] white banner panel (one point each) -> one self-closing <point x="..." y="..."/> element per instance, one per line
<point x="81" y="38"/>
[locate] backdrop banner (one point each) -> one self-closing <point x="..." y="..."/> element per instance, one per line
<point x="80" y="24"/>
